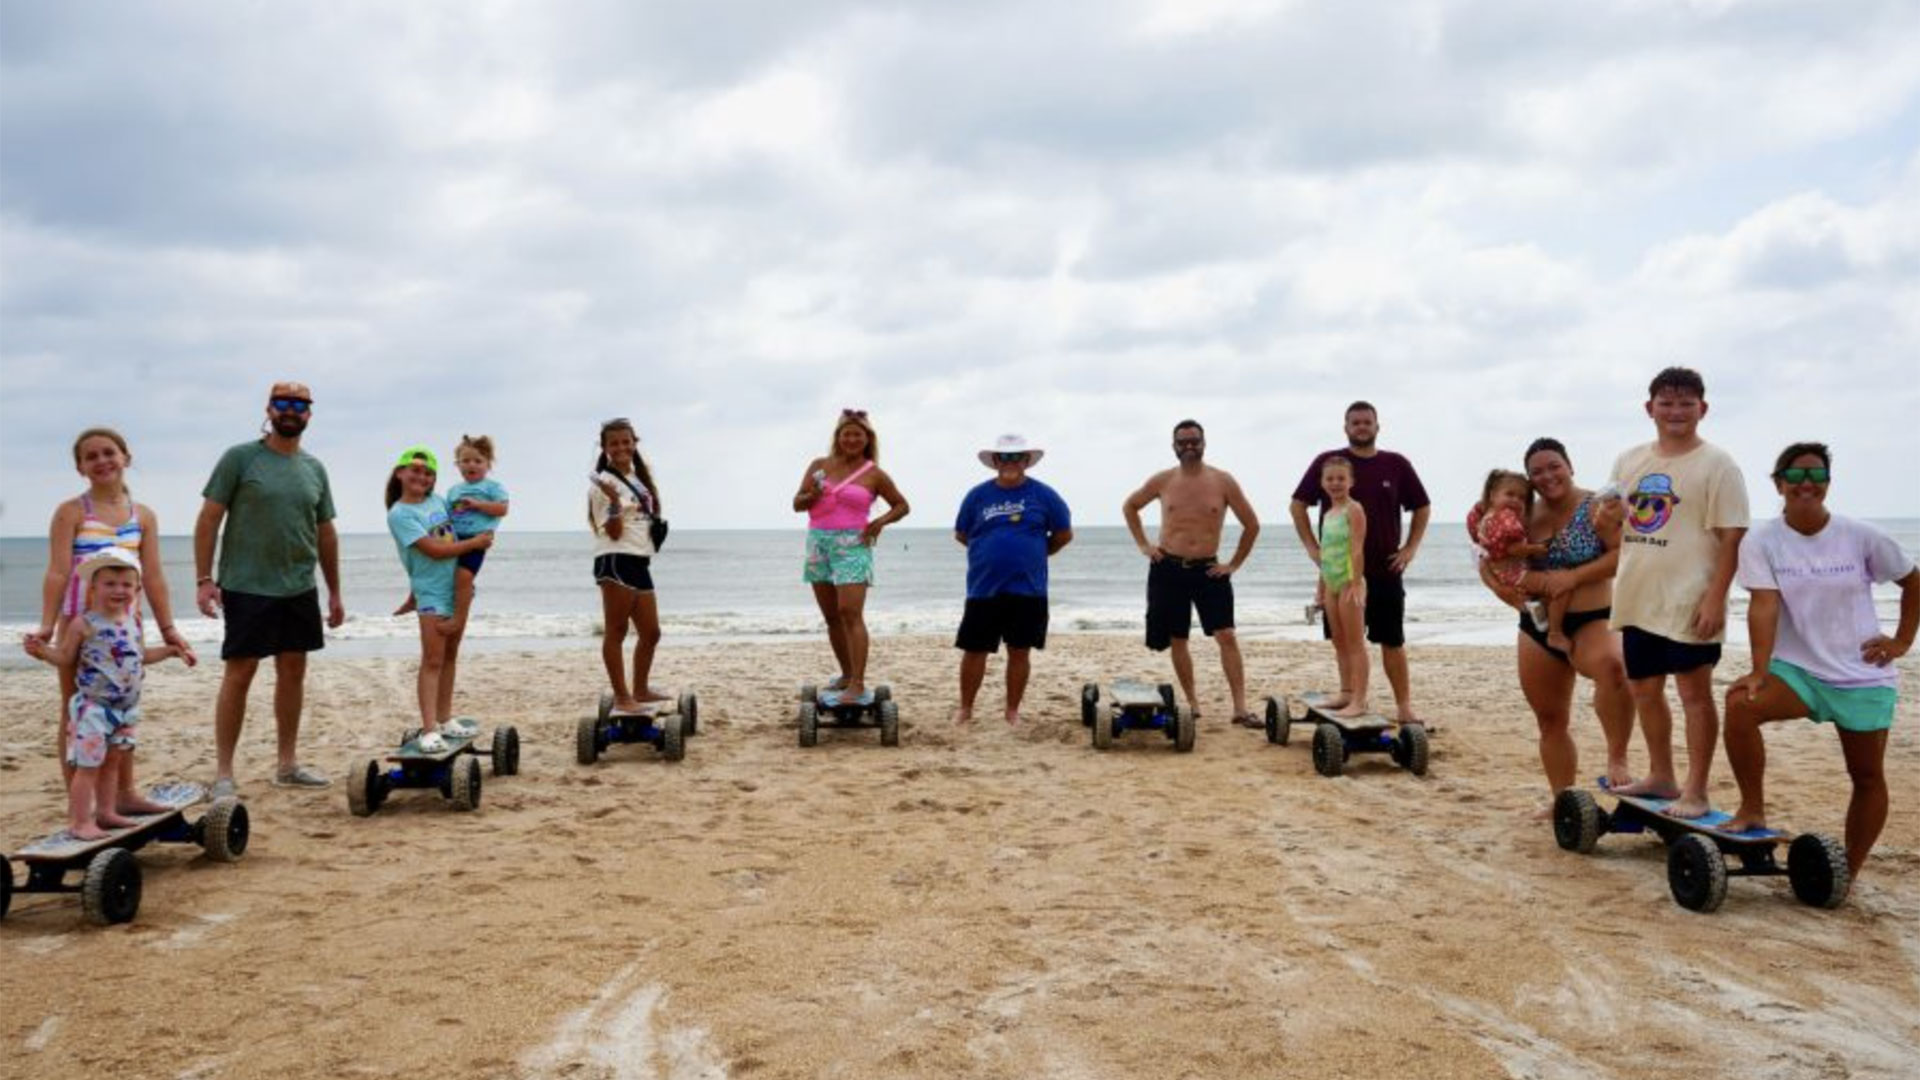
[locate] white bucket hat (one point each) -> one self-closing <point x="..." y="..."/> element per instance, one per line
<point x="1012" y="444"/>
<point x="110" y="558"/>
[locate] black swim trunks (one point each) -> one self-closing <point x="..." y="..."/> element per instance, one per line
<point x="261" y="626"/>
<point x="1020" y="621"/>
<point x="1175" y="587"/>
<point x="1648" y="654"/>
<point x="1570" y="623"/>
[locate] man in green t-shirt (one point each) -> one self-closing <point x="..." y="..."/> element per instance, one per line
<point x="278" y="511"/>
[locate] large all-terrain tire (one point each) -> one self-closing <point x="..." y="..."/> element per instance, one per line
<point x="690" y="712"/>
<point x="1183" y="729"/>
<point x="364" y="790"/>
<point x="1817" y="870"/>
<point x="506" y="751"/>
<point x="586" y="740"/>
<point x="889" y="723"/>
<point x="1329" y="750"/>
<point x="111" y="891"/>
<point x="1413" y="748"/>
<point x="1696" y="873"/>
<point x="1279" y="722"/>
<point x="1089" y="704"/>
<point x="809" y="724"/>
<point x="1577" y="823"/>
<point x="465" y="791"/>
<point x="224" y="830"/>
<point x="606" y="707"/>
<point x="673" y="738"/>
<point x="1102" y="732"/>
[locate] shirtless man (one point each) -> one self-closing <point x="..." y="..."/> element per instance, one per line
<point x="1186" y="570"/>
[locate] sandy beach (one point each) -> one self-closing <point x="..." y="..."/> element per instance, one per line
<point x="980" y="902"/>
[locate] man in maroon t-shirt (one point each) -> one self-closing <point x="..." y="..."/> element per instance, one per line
<point x="1384" y="484"/>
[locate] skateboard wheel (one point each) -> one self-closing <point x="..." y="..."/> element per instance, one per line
<point x="690" y="712"/>
<point x="1166" y="695"/>
<point x="1329" y="750"/>
<point x="224" y="831"/>
<point x="809" y="724"/>
<point x="882" y="694"/>
<point x="1183" y="726"/>
<point x="1279" y="724"/>
<point x="1103" y="731"/>
<point x="809" y="692"/>
<point x="506" y="751"/>
<point x="1817" y="869"/>
<point x="1412" y="743"/>
<point x="364" y="789"/>
<point x="606" y="707"/>
<point x="889" y="724"/>
<point x="1576" y="821"/>
<point x="1089" y="704"/>
<point x="465" y="788"/>
<point x="586" y="740"/>
<point x="6" y="886"/>
<point x="1696" y="873"/>
<point x="111" y="891"/>
<point x="673" y="738"/>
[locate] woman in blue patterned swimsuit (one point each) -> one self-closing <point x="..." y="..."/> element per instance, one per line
<point x="1580" y="560"/>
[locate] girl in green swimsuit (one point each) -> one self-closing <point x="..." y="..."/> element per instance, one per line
<point x="1342" y="591"/>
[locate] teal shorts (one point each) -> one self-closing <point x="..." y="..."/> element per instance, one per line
<point x="1860" y="708"/>
<point x="837" y="557"/>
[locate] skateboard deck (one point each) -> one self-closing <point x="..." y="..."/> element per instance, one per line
<point x="1709" y="824"/>
<point x="663" y="707"/>
<point x="63" y="845"/>
<point x="410" y="750"/>
<point x="836" y="698"/>
<point x="1137" y="695"/>
<point x="1314" y="704"/>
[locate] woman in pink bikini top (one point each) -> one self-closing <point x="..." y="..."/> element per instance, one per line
<point x="837" y="494"/>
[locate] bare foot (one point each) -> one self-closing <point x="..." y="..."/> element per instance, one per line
<point x="628" y="705"/>
<point x="1013" y="717"/>
<point x="1406" y="717"/>
<point x="651" y="695"/>
<point x="86" y="832"/>
<point x="838" y="682"/>
<point x="963" y="715"/>
<point x="853" y="691"/>
<point x="139" y="804"/>
<point x="1689" y="808"/>
<point x="1358" y="708"/>
<point x="1618" y="777"/>
<point x="113" y="821"/>
<point x="1337" y="701"/>
<point x="1650" y="788"/>
<point x="1544" y="813"/>
<point x="1744" y="820"/>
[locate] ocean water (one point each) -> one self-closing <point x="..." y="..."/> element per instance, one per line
<point x="536" y="591"/>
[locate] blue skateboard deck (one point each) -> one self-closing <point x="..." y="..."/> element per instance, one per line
<point x="1711" y="822"/>
<point x="176" y="795"/>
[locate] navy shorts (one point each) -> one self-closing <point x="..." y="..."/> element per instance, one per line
<point x="1175" y="587"/>
<point x="261" y="626"/>
<point x="1649" y="655"/>
<point x="1020" y="621"/>
<point x="627" y="571"/>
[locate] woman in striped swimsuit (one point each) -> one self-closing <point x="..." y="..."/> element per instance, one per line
<point x="103" y="516"/>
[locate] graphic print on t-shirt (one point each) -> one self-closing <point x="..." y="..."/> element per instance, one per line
<point x="1652" y="502"/>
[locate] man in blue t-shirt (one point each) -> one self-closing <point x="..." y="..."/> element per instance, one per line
<point x="1009" y="525"/>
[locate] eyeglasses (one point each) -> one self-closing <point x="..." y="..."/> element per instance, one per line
<point x="290" y="404"/>
<point x="1009" y="459"/>
<point x="1189" y="442"/>
<point x="853" y="414"/>
<point x="1800" y="476"/>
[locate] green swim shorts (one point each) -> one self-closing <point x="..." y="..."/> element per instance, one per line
<point x="1861" y="708"/>
<point x="837" y="557"/>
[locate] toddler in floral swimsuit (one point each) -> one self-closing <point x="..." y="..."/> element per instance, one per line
<point x="1499" y="530"/>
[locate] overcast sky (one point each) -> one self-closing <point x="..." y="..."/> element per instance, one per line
<point x="1080" y="221"/>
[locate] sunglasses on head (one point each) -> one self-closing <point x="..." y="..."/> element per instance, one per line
<point x="290" y="404"/>
<point x="1009" y="459"/>
<point x="853" y="414"/>
<point x="1797" y="476"/>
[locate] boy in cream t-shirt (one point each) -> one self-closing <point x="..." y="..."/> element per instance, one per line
<point x="1685" y="515"/>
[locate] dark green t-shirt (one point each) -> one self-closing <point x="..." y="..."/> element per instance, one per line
<point x="275" y="505"/>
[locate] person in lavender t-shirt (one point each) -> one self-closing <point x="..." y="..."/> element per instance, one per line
<point x="1819" y="650"/>
<point x="1385" y="485"/>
